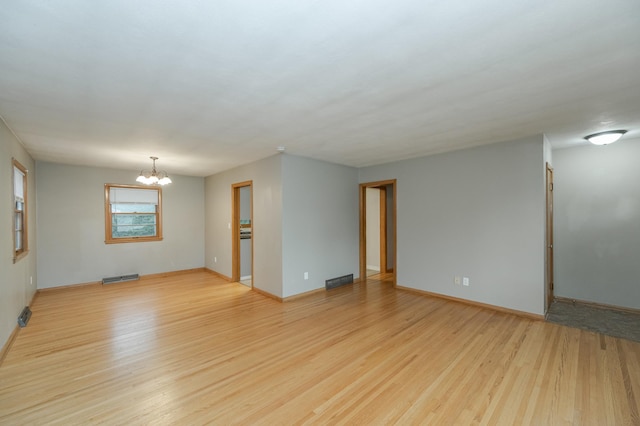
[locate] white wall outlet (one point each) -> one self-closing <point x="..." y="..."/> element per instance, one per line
<point x="229" y="225"/>
<point x="31" y="280"/>
<point x="306" y="275"/>
<point x="456" y="280"/>
<point x="465" y="281"/>
<point x="215" y="259"/>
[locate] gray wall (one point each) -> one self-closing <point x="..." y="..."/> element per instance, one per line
<point x="477" y="213"/>
<point x="320" y="223"/>
<point x="305" y="219"/>
<point x="597" y="223"/>
<point x="71" y="227"/>
<point x="16" y="289"/>
<point x="267" y="221"/>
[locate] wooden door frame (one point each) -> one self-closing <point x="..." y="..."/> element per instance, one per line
<point x="235" y="229"/>
<point x="383" y="220"/>
<point x="549" y="278"/>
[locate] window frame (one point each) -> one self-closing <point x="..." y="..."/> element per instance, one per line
<point x="108" y="217"/>
<point x="24" y="249"/>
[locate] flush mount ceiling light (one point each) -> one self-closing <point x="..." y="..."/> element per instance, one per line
<point x="605" y="138"/>
<point x="153" y="176"/>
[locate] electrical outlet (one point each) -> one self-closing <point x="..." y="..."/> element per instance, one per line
<point x="465" y="281"/>
<point x="215" y="259"/>
<point x="456" y="280"/>
<point x="31" y="280"/>
<point x="306" y="275"/>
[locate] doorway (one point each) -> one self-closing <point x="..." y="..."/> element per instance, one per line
<point x="242" y="233"/>
<point x="375" y="233"/>
<point x="378" y="230"/>
<point x="549" y="209"/>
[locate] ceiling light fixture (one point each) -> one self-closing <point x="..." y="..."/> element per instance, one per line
<point x="153" y="177"/>
<point x="605" y="138"/>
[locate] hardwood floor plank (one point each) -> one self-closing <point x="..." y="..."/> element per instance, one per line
<point x="195" y="349"/>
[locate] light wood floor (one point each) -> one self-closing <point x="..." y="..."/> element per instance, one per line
<point x="193" y="349"/>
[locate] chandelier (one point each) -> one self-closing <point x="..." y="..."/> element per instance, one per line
<point x="153" y="177"/>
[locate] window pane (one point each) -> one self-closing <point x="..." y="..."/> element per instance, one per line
<point x="133" y="219"/>
<point x="130" y="231"/>
<point x="18" y="221"/>
<point x="133" y="225"/>
<point x="133" y="195"/>
<point x="133" y="208"/>
<point x="18" y="184"/>
<point x="18" y="240"/>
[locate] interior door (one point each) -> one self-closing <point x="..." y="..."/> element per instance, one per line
<point x="375" y="224"/>
<point x="242" y="233"/>
<point x="549" y="236"/>
<point x="383" y="228"/>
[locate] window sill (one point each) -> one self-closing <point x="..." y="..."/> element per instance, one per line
<point x="133" y="240"/>
<point x="20" y="256"/>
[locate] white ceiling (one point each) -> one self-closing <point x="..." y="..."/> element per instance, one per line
<point x="209" y="85"/>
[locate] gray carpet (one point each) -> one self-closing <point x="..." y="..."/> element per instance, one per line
<point x="606" y="321"/>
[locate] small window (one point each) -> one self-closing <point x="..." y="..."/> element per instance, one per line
<point x="20" y="240"/>
<point x="132" y="213"/>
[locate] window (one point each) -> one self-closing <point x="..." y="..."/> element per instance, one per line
<point x="20" y="241"/>
<point x="132" y="213"/>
